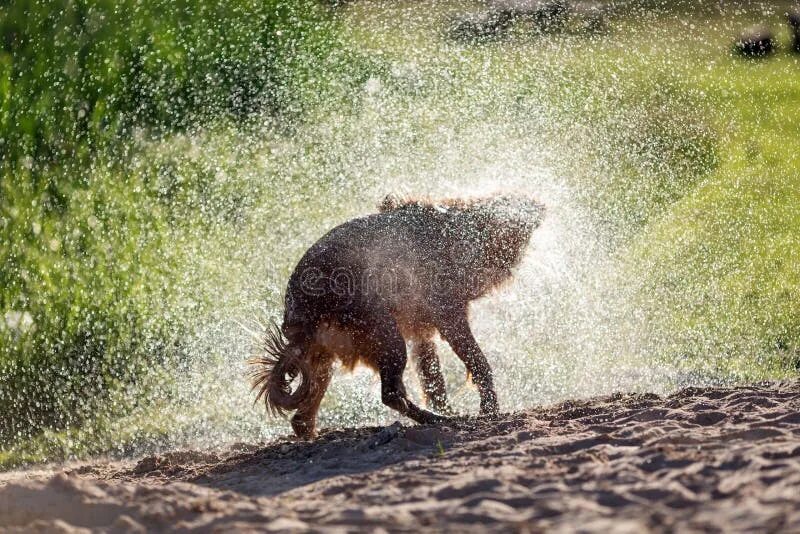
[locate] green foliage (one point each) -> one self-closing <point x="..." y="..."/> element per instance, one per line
<point x="686" y="156"/>
<point x="716" y="272"/>
<point x="76" y="73"/>
<point x="85" y="285"/>
<point x="646" y="151"/>
<point x="88" y="262"/>
<point x="723" y="261"/>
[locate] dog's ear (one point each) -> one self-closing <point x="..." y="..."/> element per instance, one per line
<point x="390" y="203"/>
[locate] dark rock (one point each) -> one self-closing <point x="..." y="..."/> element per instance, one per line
<point x="385" y="435"/>
<point x="551" y="16"/>
<point x="757" y="41"/>
<point x="793" y="16"/>
<point x="545" y="16"/>
<point x="589" y="18"/>
<point x="478" y="27"/>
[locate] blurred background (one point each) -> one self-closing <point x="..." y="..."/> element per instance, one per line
<point x="165" y="164"/>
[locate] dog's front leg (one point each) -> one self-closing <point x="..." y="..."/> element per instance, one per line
<point x="454" y="328"/>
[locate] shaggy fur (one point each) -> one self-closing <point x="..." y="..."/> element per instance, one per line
<point x="376" y="283"/>
<point x="277" y="360"/>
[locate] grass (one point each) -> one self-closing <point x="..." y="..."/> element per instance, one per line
<point x="130" y="185"/>
<point x="94" y="239"/>
<point x="719" y="266"/>
<point x="686" y="153"/>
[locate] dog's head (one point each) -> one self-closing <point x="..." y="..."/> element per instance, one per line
<point x="499" y="226"/>
<point x="510" y="222"/>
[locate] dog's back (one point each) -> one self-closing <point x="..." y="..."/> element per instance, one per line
<point x="408" y="257"/>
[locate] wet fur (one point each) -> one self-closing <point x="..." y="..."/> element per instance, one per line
<point x="376" y="283"/>
<point x="272" y="367"/>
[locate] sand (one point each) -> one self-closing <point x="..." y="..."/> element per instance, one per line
<point x="718" y="459"/>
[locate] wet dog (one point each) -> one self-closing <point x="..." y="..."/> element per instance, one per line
<point x="375" y="283"/>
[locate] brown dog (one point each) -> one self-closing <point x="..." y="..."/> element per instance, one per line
<point x="374" y="283"/>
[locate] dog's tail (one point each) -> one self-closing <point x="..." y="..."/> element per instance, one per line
<point x="274" y="371"/>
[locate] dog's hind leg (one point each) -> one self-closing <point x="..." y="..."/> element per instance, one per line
<point x="430" y="374"/>
<point x="389" y="353"/>
<point x="454" y="328"/>
<point x="304" y="421"/>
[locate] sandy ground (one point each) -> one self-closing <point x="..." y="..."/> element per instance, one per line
<point x="700" y="460"/>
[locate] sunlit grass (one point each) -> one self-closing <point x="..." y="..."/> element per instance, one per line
<point x="700" y="149"/>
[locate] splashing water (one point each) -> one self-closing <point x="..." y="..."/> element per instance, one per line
<point x="549" y="117"/>
<point x="435" y="125"/>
